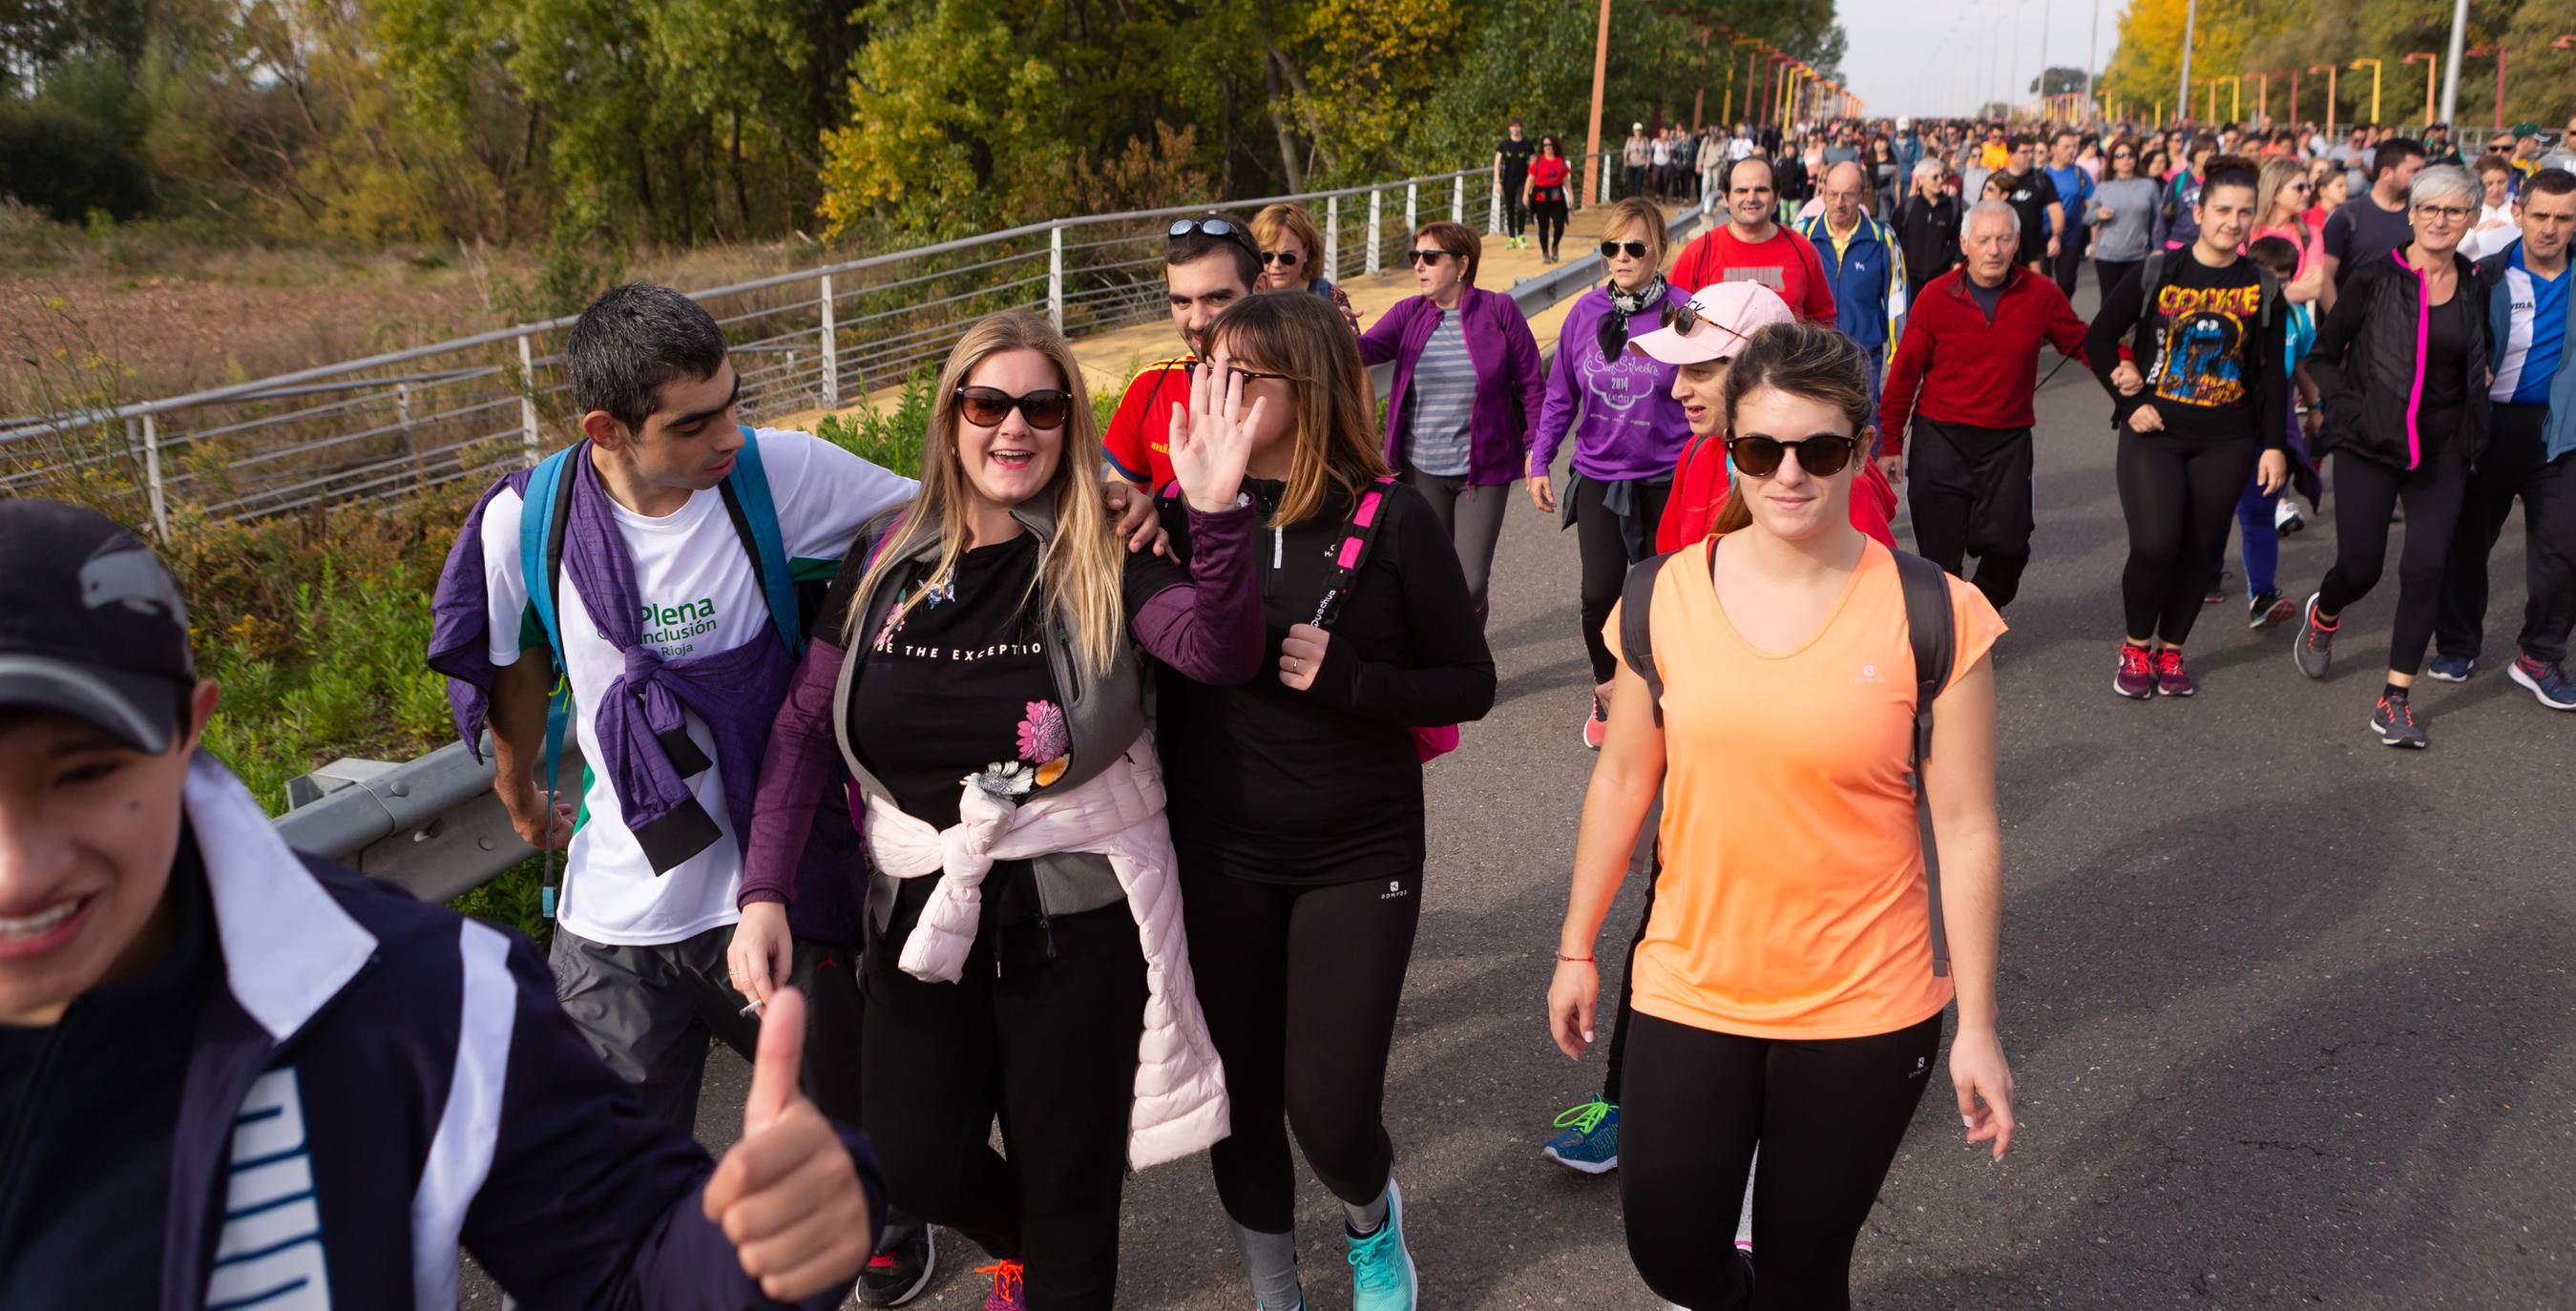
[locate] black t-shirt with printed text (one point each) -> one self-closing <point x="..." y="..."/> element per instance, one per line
<point x="1516" y="156"/>
<point x="2031" y="195"/>
<point x="2214" y="369"/>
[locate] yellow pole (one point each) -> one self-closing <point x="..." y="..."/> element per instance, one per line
<point x="2374" y="87"/>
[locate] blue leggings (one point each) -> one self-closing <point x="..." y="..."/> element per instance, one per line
<point x="2261" y="545"/>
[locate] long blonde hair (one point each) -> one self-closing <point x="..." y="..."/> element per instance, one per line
<point x="1081" y="571"/>
<point x="2278" y="172"/>
<point x="1337" y="436"/>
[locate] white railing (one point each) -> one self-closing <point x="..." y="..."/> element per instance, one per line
<point x="393" y="424"/>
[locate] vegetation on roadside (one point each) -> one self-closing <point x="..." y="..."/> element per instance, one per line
<point x="2242" y="36"/>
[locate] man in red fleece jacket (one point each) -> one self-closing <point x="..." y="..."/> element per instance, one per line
<point x="1965" y="374"/>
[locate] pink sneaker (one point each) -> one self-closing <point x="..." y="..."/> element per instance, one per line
<point x="1596" y="725"/>
<point x="2171" y="678"/>
<point x="1007" y="1294"/>
<point x="2137" y="677"/>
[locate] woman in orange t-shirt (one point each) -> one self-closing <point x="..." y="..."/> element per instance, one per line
<point x="1785" y="989"/>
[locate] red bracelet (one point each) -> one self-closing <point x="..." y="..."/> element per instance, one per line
<point x="1583" y="960"/>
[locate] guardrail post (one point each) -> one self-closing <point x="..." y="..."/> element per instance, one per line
<point x="1605" y="177"/>
<point x="831" y="350"/>
<point x="1371" y="263"/>
<point x="1458" y="200"/>
<point x="402" y="419"/>
<point x="1412" y="207"/>
<point x="1055" y="276"/>
<point x="1332" y="236"/>
<point x="1494" y="212"/>
<point x="152" y="475"/>
<point x="528" y="397"/>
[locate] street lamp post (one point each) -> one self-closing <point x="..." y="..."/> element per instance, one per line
<point x="2432" y="65"/>
<point x="2329" y="70"/>
<point x="1592" y="137"/>
<point x="2374" y="85"/>
<point x="2451" y="84"/>
<point x="2190" y="19"/>
<point x="2479" y="52"/>
<point x="2263" y="96"/>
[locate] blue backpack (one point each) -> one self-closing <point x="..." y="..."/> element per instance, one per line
<point x="541" y="530"/>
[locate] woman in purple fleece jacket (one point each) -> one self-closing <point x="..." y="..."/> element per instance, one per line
<point x="991" y="633"/>
<point x="1628" y="430"/>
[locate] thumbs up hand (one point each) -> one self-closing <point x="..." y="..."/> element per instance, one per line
<point x="788" y="1194"/>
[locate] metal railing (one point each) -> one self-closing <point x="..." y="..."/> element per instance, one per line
<point x="394" y="424"/>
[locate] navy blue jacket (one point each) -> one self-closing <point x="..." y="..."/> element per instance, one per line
<point x="1868" y="280"/>
<point x="381" y="1082"/>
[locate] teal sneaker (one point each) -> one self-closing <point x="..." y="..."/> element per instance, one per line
<point x="1382" y="1274"/>
<point x="1590" y="1142"/>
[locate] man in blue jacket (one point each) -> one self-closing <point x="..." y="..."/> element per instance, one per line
<point x="1863" y="265"/>
<point x="2531" y="453"/>
<point x="235" y="1077"/>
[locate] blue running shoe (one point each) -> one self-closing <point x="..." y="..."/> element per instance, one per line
<point x="2451" y="669"/>
<point x="1382" y="1274"/>
<point x="1590" y="1142"/>
<point x="2547" y="680"/>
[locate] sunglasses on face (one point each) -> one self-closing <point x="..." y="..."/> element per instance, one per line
<point x="1611" y="249"/>
<point x="1823" y="455"/>
<point x="1286" y="259"/>
<point x="1419" y="258"/>
<point x="986" y="407"/>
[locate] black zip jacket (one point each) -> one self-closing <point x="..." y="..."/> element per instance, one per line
<point x="2369" y="363"/>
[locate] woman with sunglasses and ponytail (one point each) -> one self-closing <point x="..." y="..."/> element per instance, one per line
<point x="1296" y="799"/>
<point x="1544" y="196"/>
<point x="1788" y="988"/>
<point x="1026" y="959"/>
<point x="1627" y="428"/>
<point x="1467" y="389"/>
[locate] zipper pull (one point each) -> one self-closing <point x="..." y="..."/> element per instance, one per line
<point x="1278" y="546"/>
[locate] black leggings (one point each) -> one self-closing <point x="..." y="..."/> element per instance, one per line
<point x="2365" y="495"/>
<point x="2112" y="271"/>
<point x="1614" y="1062"/>
<point x="1551" y="225"/>
<point x="1603" y="542"/>
<point x="1514" y="213"/>
<point x="1315" y="972"/>
<point x="1828" y="1116"/>
<point x="2179" y="496"/>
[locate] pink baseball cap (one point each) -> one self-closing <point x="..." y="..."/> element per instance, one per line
<point x="1724" y="316"/>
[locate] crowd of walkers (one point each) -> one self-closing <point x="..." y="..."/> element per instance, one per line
<point x="1073" y="782"/>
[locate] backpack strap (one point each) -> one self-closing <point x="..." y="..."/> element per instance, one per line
<point x="1636" y="627"/>
<point x="2151" y="275"/>
<point x="2270" y="283"/>
<point x="543" y="511"/>
<point x="755" y="520"/>
<point x="1931" y="630"/>
<point x="1359" y="533"/>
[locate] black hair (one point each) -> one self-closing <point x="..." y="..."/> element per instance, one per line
<point x="630" y="342"/>
<point x="2549" y="182"/>
<point x="2230" y="171"/>
<point x="2016" y="141"/>
<point x="1200" y="244"/>
<point x="2279" y="254"/>
<point x="2392" y="154"/>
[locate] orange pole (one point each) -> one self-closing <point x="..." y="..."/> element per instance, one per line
<point x="1592" y="136"/>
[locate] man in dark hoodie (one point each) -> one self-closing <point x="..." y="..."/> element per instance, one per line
<point x="233" y="1076"/>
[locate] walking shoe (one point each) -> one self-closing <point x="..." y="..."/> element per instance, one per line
<point x="2547" y="680"/>
<point x="2286" y="518"/>
<point x="2314" y="651"/>
<point x="2171" y="678"/>
<point x="1382" y="1273"/>
<point x="2268" y="608"/>
<point x="899" y="1273"/>
<point x="2218" y="588"/>
<point x="1590" y="1142"/>
<point x="2451" y="669"/>
<point x="2394" y="722"/>
<point x="1007" y="1294"/>
<point x="1597" y="724"/>
<point x="2137" y="677"/>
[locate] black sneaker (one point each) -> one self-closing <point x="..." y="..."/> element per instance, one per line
<point x="2394" y="722"/>
<point x="2314" y="651"/>
<point x="899" y="1273"/>
<point x="2268" y="608"/>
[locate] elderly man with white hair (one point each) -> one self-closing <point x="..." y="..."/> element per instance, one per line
<point x="1964" y="376"/>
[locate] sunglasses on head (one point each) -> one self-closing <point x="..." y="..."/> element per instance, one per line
<point x="1425" y="256"/>
<point x="1286" y="259"/>
<point x="1215" y="227"/>
<point x="1611" y="249"/>
<point x="986" y="407"/>
<point x="1823" y="455"/>
<point x="1684" y="317"/>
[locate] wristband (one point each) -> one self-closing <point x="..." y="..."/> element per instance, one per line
<point x="1580" y="960"/>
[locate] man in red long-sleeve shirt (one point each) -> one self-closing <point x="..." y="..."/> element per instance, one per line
<point x="1965" y="373"/>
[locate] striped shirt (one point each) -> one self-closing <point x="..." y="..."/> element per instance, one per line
<point x="2535" y="335"/>
<point x="1442" y="397"/>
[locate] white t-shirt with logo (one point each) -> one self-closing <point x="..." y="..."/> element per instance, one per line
<point x="700" y="596"/>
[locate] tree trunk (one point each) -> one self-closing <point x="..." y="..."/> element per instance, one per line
<point x="1279" y="124"/>
<point x="741" y="194"/>
<point x="1297" y="84"/>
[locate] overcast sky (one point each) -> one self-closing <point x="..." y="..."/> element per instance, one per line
<point x="1943" y="57"/>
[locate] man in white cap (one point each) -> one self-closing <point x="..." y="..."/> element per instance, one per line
<point x="1640" y="152"/>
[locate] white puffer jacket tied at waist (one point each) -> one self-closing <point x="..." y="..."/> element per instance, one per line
<point x="1180" y="1103"/>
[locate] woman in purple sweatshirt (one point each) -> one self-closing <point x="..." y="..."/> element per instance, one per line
<point x="1628" y="430"/>
<point x="992" y="633"/>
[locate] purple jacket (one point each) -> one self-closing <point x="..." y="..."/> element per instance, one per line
<point x="1509" y="379"/>
<point x="1630" y="425"/>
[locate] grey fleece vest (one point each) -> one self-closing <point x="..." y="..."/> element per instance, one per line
<point x="1103" y="717"/>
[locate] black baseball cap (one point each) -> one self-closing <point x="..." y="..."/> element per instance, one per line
<point x="91" y="624"/>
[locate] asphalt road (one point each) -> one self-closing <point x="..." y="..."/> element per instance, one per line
<point x="2289" y="1010"/>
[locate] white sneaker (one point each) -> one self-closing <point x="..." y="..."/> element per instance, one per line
<point x="2286" y="518"/>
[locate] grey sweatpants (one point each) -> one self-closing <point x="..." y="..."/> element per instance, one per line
<point x="1472" y="517"/>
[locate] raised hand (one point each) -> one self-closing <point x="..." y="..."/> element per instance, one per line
<point x="788" y="1195"/>
<point x="1211" y="437"/>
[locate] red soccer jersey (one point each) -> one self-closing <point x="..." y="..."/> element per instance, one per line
<point x="1787" y="264"/>
<point x="1699" y="488"/>
<point x="1138" y="443"/>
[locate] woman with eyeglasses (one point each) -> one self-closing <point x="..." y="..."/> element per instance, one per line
<point x="2401" y="359"/>
<point x="1026" y="959"/>
<point x="2123" y="216"/>
<point x="1627" y="428"/>
<point x="1788" y="988"/>
<point x="1466" y="392"/>
<point x="1544" y="194"/>
<point x="1297" y="800"/>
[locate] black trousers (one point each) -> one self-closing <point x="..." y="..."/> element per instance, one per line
<point x="2179" y="497"/>
<point x="1604" y="541"/>
<point x="1047" y="1044"/>
<point x="1551" y="225"/>
<point x="2365" y="495"/>
<point x="1828" y="1116"/>
<point x="1969" y="491"/>
<point x="2070" y="256"/>
<point x="1300" y="984"/>
<point x="2112" y="272"/>
<point x="2515" y="463"/>
<point x="1514" y="213"/>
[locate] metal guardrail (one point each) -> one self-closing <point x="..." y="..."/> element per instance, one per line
<point x="433" y="824"/>
<point x="394" y="424"/>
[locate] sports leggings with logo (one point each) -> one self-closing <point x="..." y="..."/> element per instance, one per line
<point x="1299" y="984"/>
<point x="1827" y="1114"/>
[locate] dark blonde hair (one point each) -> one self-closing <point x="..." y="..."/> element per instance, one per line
<point x="1459" y="240"/>
<point x="1802" y="359"/>
<point x="1336" y="434"/>
<point x="1276" y="221"/>
<point x="1642" y="212"/>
